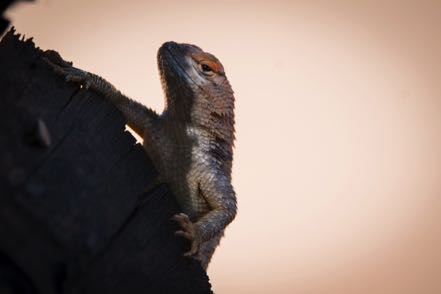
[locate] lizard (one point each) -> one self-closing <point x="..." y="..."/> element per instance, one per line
<point x="191" y="142"/>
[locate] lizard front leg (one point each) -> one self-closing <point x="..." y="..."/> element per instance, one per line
<point x="139" y="117"/>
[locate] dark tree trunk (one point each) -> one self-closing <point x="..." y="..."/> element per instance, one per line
<point x="74" y="216"/>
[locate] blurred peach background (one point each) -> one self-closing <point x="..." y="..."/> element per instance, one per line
<point x="337" y="162"/>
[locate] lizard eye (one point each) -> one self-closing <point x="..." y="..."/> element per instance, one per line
<point x="206" y="69"/>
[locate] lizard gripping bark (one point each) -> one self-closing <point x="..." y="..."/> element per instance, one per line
<point x="190" y="143"/>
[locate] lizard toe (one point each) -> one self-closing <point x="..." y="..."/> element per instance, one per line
<point x="184" y="234"/>
<point x="193" y="250"/>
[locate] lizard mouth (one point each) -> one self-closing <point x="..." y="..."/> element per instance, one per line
<point x="174" y="67"/>
<point x="171" y="57"/>
<point x="167" y="58"/>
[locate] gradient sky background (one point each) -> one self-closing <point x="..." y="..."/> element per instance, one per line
<point x="337" y="162"/>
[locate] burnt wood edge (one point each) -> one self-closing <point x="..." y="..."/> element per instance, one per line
<point x="185" y="275"/>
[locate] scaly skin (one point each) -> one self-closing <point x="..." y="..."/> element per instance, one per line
<point x="190" y="143"/>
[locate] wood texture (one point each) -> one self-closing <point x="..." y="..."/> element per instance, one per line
<point x="74" y="217"/>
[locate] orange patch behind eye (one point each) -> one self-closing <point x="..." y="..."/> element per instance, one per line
<point x="213" y="64"/>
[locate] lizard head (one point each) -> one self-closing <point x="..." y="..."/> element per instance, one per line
<point x="196" y="88"/>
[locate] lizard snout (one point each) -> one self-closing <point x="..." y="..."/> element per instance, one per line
<point x="169" y="45"/>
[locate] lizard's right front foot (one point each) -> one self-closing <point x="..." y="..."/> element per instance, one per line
<point x="64" y="68"/>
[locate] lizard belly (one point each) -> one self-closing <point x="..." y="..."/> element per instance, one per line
<point x="179" y="160"/>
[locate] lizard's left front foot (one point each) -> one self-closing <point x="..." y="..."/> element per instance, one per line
<point x="189" y="231"/>
<point x="64" y="68"/>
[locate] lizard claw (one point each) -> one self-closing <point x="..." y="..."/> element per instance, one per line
<point x="193" y="250"/>
<point x="189" y="231"/>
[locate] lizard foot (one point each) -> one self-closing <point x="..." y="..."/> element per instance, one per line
<point x="189" y="231"/>
<point x="65" y="68"/>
